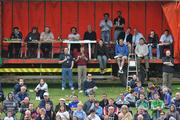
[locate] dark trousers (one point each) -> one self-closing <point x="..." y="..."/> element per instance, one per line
<point x="40" y="94"/>
<point x="32" y="50"/>
<point x="14" y="50"/>
<point x="46" y="49"/>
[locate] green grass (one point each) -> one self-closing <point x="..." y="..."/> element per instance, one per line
<point x="112" y="90"/>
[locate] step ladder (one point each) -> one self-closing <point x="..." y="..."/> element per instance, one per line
<point x="131" y="69"/>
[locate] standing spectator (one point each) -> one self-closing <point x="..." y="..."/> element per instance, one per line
<point x="46" y="99"/>
<point x="89" y="104"/>
<point x="33" y="36"/>
<point x="46" y="36"/>
<point x="106" y="25"/>
<point x="125" y="114"/>
<point x="111" y="115"/>
<point x="79" y="113"/>
<point x="142" y="102"/>
<point x="93" y="116"/>
<point x="10" y="105"/>
<point x="104" y="102"/>
<point x="21" y="94"/>
<point x="119" y="23"/>
<point x="176" y="101"/>
<point x="18" y="86"/>
<point x="121" y="52"/>
<point x="152" y="42"/>
<point x="17" y="35"/>
<point x="168" y="69"/>
<point x="128" y="39"/>
<point x="89" y="85"/>
<point x="173" y="113"/>
<point x="82" y="67"/>
<point x="40" y="89"/>
<point x="136" y="37"/>
<point x="141" y="51"/>
<point x="166" y="41"/>
<point x="67" y="66"/>
<point x="156" y="105"/>
<point x="64" y="114"/>
<point x="102" y="55"/>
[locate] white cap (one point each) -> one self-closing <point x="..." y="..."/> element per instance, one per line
<point x="46" y="94"/>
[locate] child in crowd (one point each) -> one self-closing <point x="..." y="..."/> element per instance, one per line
<point x="132" y="82"/>
<point x="9" y="116"/>
<point x="166" y="97"/>
<point x="139" y="88"/>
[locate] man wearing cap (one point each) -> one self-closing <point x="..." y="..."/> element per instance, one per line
<point x="46" y="99"/>
<point x="67" y="65"/>
<point x="62" y="102"/>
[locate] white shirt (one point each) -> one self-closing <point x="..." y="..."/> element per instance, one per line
<point x="46" y="36"/>
<point x="96" y="117"/>
<point x="136" y="38"/>
<point x="106" y="26"/>
<point x="64" y="115"/>
<point x="166" y="39"/>
<point x="141" y="50"/>
<point x="42" y="87"/>
<point x="74" y="36"/>
<point x="8" y="118"/>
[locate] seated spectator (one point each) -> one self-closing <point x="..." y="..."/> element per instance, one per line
<point x="14" y="49"/>
<point x="63" y="113"/>
<point x="81" y="62"/>
<point x="74" y="36"/>
<point x="18" y="86"/>
<point x="142" y="102"/>
<point x="121" y="101"/>
<point x="153" y="41"/>
<point x="173" y="113"/>
<point x="32" y="36"/>
<point x="128" y="39"/>
<point x="136" y="37"/>
<point x="93" y="116"/>
<point x="43" y="115"/>
<point x="162" y="116"/>
<point x="132" y="82"/>
<point x="104" y="102"/>
<point x="111" y="104"/>
<point x="176" y="101"/>
<point x="9" y="116"/>
<point x="125" y="114"/>
<point x="46" y="99"/>
<point x="121" y="52"/>
<point x="166" y="41"/>
<point x="58" y="117"/>
<point x="27" y="115"/>
<point x="102" y="55"/>
<point x="79" y="113"/>
<point x="34" y="114"/>
<point x="139" y="88"/>
<point x="151" y="92"/>
<point x="46" y="48"/>
<point x="98" y="109"/>
<point x="40" y="89"/>
<point x="89" y="85"/>
<point x="143" y="112"/>
<point x="62" y="102"/>
<point x="166" y="97"/>
<point x="89" y="104"/>
<point x="22" y="94"/>
<point x="24" y="106"/>
<point x="2" y="97"/>
<point x="141" y="51"/>
<point x="131" y="98"/>
<point x="111" y="115"/>
<point x="73" y="105"/>
<point x="49" y="111"/>
<point x="140" y="117"/>
<point x="156" y="105"/>
<point x="10" y="105"/>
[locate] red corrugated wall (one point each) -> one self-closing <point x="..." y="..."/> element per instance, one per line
<point x="61" y="16"/>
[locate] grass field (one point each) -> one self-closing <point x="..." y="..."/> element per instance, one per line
<point x="112" y="90"/>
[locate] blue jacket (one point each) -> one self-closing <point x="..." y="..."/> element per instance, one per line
<point x="43" y="103"/>
<point x="167" y="99"/>
<point x="121" y="50"/>
<point x="20" y="96"/>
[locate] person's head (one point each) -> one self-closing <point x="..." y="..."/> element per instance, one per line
<point x="121" y="42"/>
<point x="139" y="83"/>
<point x="21" y="81"/>
<point x="89" y="77"/>
<point x="142" y="97"/>
<point x="141" y="41"/>
<point x="66" y="50"/>
<point x="46" y="96"/>
<point x="26" y="100"/>
<point x="165" y="89"/>
<point x="31" y="107"/>
<point x="166" y="32"/>
<point x="172" y="108"/>
<point x="89" y="28"/>
<point x="73" y="30"/>
<point x="96" y="103"/>
<point x="10" y="96"/>
<point x="9" y="114"/>
<point x="110" y="110"/>
<point x="23" y="89"/>
<point x="156" y="96"/>
<point x="168" y="53"/>
<point x="47" y="29"/>
<point x="48" y="106"/>
<point x="80" y="106"/>
<point x="134" y="77"/>
<point x="135" y="31"/>
<point x="111" y="101"/>
<point x="124" y="109"/>
<point x="104" y="96"/>
<point x="34" y="29"/>
<point x="128" y="30"/>
<point x="152" y="33"/>
<point x="75" y="98"/>
<point x="62" y="101"/>
<point x="91" y="98"/>
<point x="42" y="111"/>
<point x="177" y="96"/>
<point x="15" y="29"/>
<point x="106" y="16"/>
<point x="140" y="117"/>
<point x="100" y="42"/>
<point x="119" y="13"/>
<point x="92" y="113"/>
<point x="62" y="108"/>
<point x="140" y="110"/>
<point x="82" y="49"/>
<point x="27" y="114"/>
<point x="41" y="81"/>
